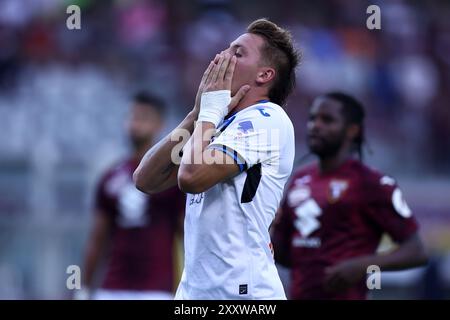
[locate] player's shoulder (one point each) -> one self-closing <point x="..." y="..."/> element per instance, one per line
<point x="303" y="174"/>
<point x="383" y="188"/>
<point x="304" y="170"/>
<point x="118" y="167"/>
<point x="266" y="114"/>
<point x="374" y="178"/>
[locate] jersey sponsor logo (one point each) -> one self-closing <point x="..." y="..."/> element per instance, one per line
<point x="196" y="198"/>
<point x="400" y="205"/>
<point x="133" y="206"/>
<point x="245" y="126"/>
<point x="336" y="190"/>
<point x="307" y="213"/>
<point x="298" y="194"/>
<point x="313" y="242"/>
<point x="307" y="217"/>
<point x="303" y="180"/>
<point x="117" y="182"/>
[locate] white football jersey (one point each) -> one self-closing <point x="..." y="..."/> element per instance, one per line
<point x="228" y="254"/>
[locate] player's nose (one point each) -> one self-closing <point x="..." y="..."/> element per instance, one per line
<point x="314" y="126"/>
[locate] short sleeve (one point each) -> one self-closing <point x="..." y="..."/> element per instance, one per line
<point x="250" y="140"/>
<point x="388" y="209"/>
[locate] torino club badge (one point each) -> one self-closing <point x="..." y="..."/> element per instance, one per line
<point x="336" y="189"/>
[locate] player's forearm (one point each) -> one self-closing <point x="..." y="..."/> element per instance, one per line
<point x="409" y="254"/>
<point x="192" y="173"/>
<point x="98" y="242"/>
<point x="195" y="147"/>
<point x="157" y="169"/>
<point x="91" y="261"/>
<point x="88" y="271"/>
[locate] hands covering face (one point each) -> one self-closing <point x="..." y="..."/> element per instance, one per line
<point x="218" y="76"/>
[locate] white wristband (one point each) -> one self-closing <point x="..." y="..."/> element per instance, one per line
<point x="214" y="106"/>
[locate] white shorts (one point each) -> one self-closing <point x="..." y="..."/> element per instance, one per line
<point x="102" y="294"/>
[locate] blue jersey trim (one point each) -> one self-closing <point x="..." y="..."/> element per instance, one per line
<point x="233" y="154"/>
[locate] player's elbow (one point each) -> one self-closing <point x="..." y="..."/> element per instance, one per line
<point x="187" y="181"/>
<point x="141" y="183"/>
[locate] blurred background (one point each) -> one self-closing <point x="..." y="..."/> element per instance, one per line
<point x="64" y="95"/>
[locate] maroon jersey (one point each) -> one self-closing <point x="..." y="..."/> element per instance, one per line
<point x="328" y="218"/>
<point x="141" y="256"/>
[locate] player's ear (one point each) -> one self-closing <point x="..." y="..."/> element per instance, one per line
<point x="265" y="75"/>
<point x="353" y="131"/>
